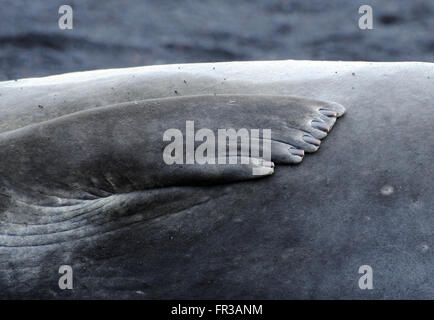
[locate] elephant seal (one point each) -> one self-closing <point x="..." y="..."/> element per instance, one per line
<point x="302" y="233"/>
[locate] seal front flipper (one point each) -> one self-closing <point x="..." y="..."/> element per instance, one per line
<point x="121" y="148"/>
<point x="89" y="160"/>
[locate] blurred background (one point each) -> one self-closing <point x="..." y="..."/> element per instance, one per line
<point x="109" y="34"/>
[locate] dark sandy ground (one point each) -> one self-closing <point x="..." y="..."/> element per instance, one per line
<point x="114" y="33"/>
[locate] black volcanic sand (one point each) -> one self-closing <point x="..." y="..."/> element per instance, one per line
<point x="114" y="34"/>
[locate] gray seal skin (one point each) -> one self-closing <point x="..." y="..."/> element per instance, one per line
<point x="365" y="198"/>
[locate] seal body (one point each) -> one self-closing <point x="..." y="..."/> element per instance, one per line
<point x="365" y="198"/>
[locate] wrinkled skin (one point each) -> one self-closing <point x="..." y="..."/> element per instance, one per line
<point x="364" y="198"/>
